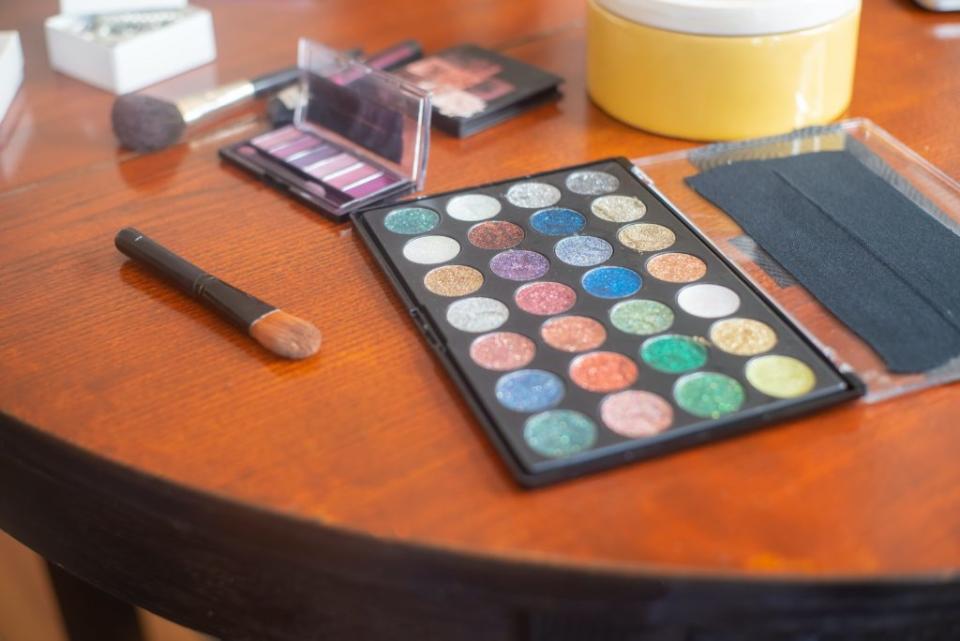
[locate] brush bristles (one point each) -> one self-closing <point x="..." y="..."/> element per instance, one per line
<point x="286" y="335"/>
<point x="144" y="123"/>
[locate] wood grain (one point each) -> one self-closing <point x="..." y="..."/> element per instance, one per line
<point x="369" y="437"/>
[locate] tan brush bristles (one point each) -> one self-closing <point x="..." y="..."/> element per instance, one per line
<point x="286" y="335"/>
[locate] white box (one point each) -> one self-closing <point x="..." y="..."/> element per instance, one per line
<point x="125" y="63"/>
<point x="90" y="7"/>
<point x="11" y="69"/>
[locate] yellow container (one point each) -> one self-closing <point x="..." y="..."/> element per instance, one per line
<point x="722" y="69"/>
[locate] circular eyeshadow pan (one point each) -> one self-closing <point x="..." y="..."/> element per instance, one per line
<point x="411" y="220"/>
<point x="495" y="234"/>
<point x="531" y="195"/>
<point x="545" y="298"/>
<point x="477" y="314"/>
<point x="676" y="268"/>
<point x="573" y="333"/>
<point x="673" y="354"/>
<point x="502" y="351"/>
<point x="636" y="414"/>
<point x="529" y="390"/>
<point x="708" y="301"/>
<point x="742" y="336"/>
<point x="611" y="282"/>
<point x="603" y="371"/>
<point x="473" y="207"/>
<point x="583" y="251"/>
<point x="618" y="209"/>
<point x="641" y="317"/>
<point x="559" y="433"/>
<point x="592" y="183"/>
<point x="780" y="376"/>
<point x="430" y="250"/>
<point x="646" y="237"/>
<point x="708" y="395"/>
<point x="557" y="221"/>
<point x="519" y="264"/>
<point x="453" y="280"/>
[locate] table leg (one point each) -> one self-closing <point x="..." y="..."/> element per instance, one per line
<point x="89" y="614"/>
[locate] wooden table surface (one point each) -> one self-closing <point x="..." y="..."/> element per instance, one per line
<point x="139" y="424"/>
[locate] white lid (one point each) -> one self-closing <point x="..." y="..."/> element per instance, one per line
<point x="731" y="17"/>
<point x="93" y="7"/>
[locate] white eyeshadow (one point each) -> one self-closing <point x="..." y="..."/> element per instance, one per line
<point x="592" y="183"/>
<point x="477" y="314"/>
<point x="708" y="301"/>
<point x="430" y="250"/>
<point x="533" y="195"/>
<point x="472" y="207"/>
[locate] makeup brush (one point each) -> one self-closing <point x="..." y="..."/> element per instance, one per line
<point x="281" y="333"/>
<point x="147" y="123"/>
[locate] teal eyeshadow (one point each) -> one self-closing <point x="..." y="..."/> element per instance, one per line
<point x="708" y="395"/>
<point x="559" y="433"/>
<point x="411" y="220"/>
<point x="673" y="354"/>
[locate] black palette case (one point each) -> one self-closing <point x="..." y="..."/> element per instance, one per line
<point x="505" y="427"/>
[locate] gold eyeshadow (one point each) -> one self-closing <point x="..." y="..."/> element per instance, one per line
<point x="588" y="323"/>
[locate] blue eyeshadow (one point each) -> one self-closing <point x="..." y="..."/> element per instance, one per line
<point x="583" y="251"/>
<point x="557" y="221"/>
<point x="529" y="390"/>
<point x="611" y="282"/>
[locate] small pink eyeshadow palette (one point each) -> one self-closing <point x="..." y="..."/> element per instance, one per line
<point x="359" y="137"/>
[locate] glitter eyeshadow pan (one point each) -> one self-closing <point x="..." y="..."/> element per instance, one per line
<point x="589" y="324"/>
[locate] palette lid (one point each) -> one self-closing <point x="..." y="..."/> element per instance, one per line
<point x="379" y="116"/>
<point x="731" y="17"/>
<point x="903" y="169"/>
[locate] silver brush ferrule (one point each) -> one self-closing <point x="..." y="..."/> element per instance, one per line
<point x="201" y="105"/>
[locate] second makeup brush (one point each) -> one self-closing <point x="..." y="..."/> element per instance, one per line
<point x="281" y="333"/>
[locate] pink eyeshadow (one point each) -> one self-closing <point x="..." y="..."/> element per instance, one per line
<point x="273" y="138"/>
<point x="353" y="176"/>
<point x="315" y="156"/>
<point x="329" y="166"/>
<point x="297" y="146"/>
<point x="545" y="298"/>
<point x="373" y="186"/>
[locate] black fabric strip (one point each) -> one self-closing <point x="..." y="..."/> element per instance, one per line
<point x="877" y="261"/>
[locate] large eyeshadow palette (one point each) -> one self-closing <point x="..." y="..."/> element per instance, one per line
<point x="589" y="324"/>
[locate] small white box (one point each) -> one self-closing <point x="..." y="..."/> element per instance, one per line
<point x="125" y="53"/>
<point x="90" y="7"/>
<point x="11" y="69"/>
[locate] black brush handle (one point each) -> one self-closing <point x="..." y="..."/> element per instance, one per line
<point x="270" y="82"/>
<point x="236" y="306"/>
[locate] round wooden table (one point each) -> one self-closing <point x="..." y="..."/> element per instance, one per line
<point x="157" y="454"/>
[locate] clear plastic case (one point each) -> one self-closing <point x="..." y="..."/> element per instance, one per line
<point x="346" y="101"/>
<point x="359" y="137"/>
<point x="913" y="176"/>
